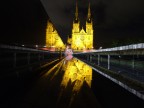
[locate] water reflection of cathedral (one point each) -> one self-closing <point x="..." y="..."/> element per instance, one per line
<point x="82" y="39"/>
<point x="77" y="72"/>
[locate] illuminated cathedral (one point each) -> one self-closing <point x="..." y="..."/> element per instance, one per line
<point x="82" y="39"/>
<point x="53" y="40"/>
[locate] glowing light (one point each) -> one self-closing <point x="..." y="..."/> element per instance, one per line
<point x="82" y="39"/>
<point x="36" y="46"/>
<point x="52" y="38"/>
<point x="77" y="72"/>
<point x="100" y="47"/>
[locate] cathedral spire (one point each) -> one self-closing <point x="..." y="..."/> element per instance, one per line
<point x="76" y="12"/>
<point x="89" y="12"/>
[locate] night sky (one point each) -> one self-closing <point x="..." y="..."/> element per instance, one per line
<point x="115" y="21"/>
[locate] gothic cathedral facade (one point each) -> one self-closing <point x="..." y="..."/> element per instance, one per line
<point x="82" y="39"/>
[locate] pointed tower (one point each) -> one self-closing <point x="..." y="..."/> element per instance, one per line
<point x="82" y="39"/>
<point x="76" y="12"/>
<point x="76" y="23"/>
<point x="89" y="14"/>
<point x="89" y="30"/>
<point x="89" y="21"/>
<point x="76" y="28"/>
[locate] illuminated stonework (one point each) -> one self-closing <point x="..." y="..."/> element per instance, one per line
<point x="53" y="40"/>
<point x="82" y="39"/>
<point x="78" y="72"/>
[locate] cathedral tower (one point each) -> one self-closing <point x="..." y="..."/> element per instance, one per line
<point x="76" y="23"/>
<point x="82" y="39"/>
<point x="89" y="30"/>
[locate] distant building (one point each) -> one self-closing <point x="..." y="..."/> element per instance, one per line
<point x="53" y="40"/>
<point x="82" y="39"/>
